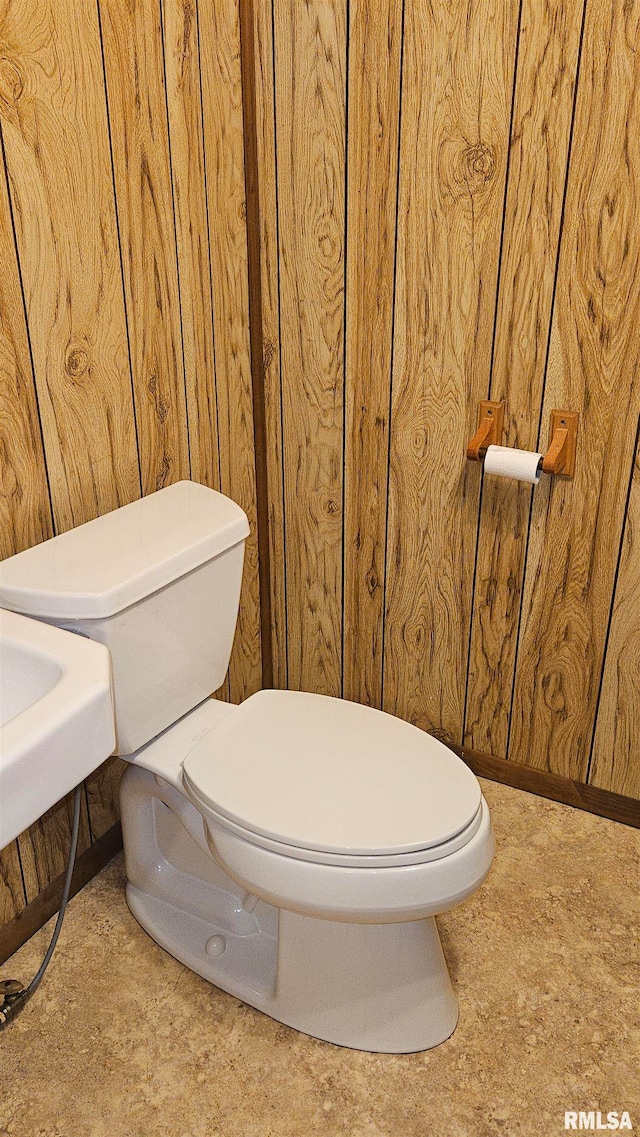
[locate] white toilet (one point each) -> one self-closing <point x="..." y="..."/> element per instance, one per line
<point x="293" y="850"/>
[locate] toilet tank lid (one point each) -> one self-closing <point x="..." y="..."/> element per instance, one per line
<point x="107" y="564"/>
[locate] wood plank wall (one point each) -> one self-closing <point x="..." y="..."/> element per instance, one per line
<point x="443" y="210"/>
<point x="124" y="334"/>
<point x="449" y="213"/>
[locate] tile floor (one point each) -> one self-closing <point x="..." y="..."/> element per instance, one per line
<point x="123" y="1041"/>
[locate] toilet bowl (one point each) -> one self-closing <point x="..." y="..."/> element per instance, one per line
<point x="293" y="850"/>
<point x="309" y="896"/>
<point x="333" y="809"/>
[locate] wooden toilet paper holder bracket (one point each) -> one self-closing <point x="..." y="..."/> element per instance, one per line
<point x="489" y="432"/>
<point x="561" y="455"/>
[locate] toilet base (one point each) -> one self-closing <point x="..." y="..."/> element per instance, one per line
<point x="374" y="987"/>
<point x="378" y="987"/>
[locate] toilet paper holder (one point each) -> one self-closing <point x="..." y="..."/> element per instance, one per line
<point x="490" y="428"/>
<point x="560" y="457"/>
<point x="561" y="454"/>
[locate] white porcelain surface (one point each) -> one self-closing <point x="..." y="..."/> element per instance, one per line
<point x="170" y="650"/>
<point x="331" y="775"/>
<point x="374" y="860"/>
<point x="363" y="895"/>
<point x="117" y="559"/>
<point x="158" y="583"/>
<point x="315" y="957"/>
<point x="56" y="717"/>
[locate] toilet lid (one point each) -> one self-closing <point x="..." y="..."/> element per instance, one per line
<point x="321" y="773"/>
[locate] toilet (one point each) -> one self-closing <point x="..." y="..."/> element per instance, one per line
<point x="293" y="850"/>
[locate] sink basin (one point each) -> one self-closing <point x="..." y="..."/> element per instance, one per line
<point x="56" y="717"/>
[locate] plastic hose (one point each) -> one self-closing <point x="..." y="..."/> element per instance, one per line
<point x="15" y="1002"/>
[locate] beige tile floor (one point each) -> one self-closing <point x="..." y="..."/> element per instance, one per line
<point x="123" y="1041"/>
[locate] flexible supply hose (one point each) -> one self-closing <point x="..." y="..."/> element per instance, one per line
<point x="16" y="999"/>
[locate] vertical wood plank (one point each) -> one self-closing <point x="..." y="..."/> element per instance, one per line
<point x="457" y="87"/>
<point x="593" y="367"/>
<point x="224" y="162"/>
<point x="132" y="43"/>
<point x="372" y="169"/>
<point x="44" y="848"/>
<point x="12" y="894"/>
<point x="55" y="135"/>
<point x="54" y="128"/>
<point x="310" y="118"/>
<point x="103" y="796"/>
<point x="615" y="761"/>
<point x="269" y="268"/>
<point x="25" y="509"/>
<point x="547" y="67"/>
<point x="182" y="70"/>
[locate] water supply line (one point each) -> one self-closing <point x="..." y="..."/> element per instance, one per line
<point x="13" y="996"/>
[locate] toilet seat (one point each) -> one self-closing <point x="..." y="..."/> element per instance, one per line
<point x="344" y="860"/>
<point x="325" y="780"/>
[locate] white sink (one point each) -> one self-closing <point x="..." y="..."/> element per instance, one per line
<point x="56" y="717"/>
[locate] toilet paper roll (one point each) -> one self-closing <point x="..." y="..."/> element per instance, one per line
<point x="508" y="462"/>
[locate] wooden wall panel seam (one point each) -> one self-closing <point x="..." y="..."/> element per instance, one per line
<point x="120" y="253"/>
<point x="372" y="180"/>
<point x="393" y="327"/>
<point x="611" y="765"/>
<point x="256" y="338"/>
<point x="270" y="236"/>
<point x="490" y="375"/>
<point x="175" y="235"/>
<point x="285" y="629"/>
<point x="345" y="263"/>
<point x="504" y="200"/>
<point x="226" y="205"/>
<point x="310" y="94"/>
<point x="393" y="310"/>
<point x="576" y="90"/>
<point x="183" y="89"/>
<point x="209" y="246"/>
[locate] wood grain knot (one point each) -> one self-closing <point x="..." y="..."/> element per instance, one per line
<point x="242" y="211"/>
<point x="479" y="165"/>
<point x="331" y="507"/>
<point x="415" y="635"/>
<point x="554" y="694"/>
<point x="372" y="581"/>
<point x="161" y="404"/>
<point x="11" y="82"/>
<point x="162" y="473"/>
<point x="268" y="353"/>
<point x="329" y="248"/>
<point x="418" y="442"/>
<point x="328" y="506"/>
<point x="76" y="362"/>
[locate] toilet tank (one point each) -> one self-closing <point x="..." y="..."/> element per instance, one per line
<point x="158" y="582"/>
